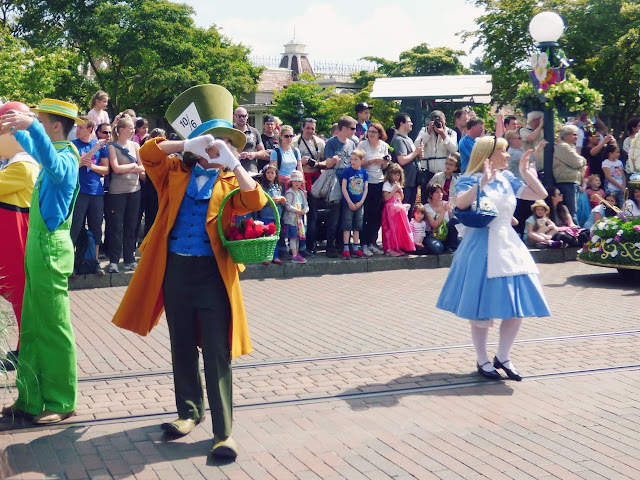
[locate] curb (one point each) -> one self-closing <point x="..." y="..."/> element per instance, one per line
<point x="321" y="265"/>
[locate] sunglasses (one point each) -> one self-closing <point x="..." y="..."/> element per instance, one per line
<point x="108" y="132"/>
<point x="352" y="128"/>
<point x="242" y="116"/>
<point x="288" y="136"/>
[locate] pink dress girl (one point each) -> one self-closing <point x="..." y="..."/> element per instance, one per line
<point x="396" y="231"/>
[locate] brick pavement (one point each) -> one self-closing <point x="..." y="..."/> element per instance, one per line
<point x="582" y="425"/>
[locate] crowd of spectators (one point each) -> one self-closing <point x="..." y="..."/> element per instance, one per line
<point x="379" y="191"/>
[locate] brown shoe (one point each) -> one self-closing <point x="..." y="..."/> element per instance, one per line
<point x="227" y="448"/>
<point x="12" y="411"/>
<point x="181" y="426"/>
<point x="49" y="416"/>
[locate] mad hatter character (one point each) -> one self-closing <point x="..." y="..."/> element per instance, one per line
<point x="47" y="379"/>
<point x="184" y="268"/>
<point x="17" y="177"/>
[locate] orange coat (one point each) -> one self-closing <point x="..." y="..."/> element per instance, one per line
<point x="143" y="302"/>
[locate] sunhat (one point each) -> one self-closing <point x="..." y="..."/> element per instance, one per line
<point x="296" y="175"/>
<point x="540" y="203"/>
<point x="58" y="107"/>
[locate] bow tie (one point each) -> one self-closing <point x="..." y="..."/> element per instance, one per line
<point x="212" y="172"/>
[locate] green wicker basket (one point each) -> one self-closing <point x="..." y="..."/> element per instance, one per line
<point x="253" y="250"/>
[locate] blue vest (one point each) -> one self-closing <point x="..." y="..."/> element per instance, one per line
<point x="189" y="235"/>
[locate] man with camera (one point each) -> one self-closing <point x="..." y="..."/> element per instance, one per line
<point x="312" y="151"/>
<point x="438" y="143"/>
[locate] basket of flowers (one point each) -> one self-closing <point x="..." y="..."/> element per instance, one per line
<point x="251" y="241"/>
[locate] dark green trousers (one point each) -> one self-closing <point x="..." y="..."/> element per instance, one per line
<point x="194" y="293"/>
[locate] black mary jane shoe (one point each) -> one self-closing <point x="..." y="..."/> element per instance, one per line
<point x="493" y="375"/>
<point x="512" y="374"/>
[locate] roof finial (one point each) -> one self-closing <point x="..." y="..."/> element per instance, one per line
<point x="294" y="34"/>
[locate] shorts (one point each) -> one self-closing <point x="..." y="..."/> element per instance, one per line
<point x="352" y="220"/>
<point x="290" y="231"/>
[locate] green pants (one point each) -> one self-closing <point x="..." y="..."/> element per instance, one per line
<point x="196" y="302"/>
<point x="47" y="375"/>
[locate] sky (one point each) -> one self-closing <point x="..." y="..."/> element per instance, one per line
<point x="341" y="31"/>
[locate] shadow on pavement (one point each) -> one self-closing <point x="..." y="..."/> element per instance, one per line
<point x="432" y="384"/>
<point x="130" y="450"/>
<point x="609" y="279"/>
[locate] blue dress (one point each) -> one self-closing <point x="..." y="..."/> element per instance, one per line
<point x="493" y="275"/>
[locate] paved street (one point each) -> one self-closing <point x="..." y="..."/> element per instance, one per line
<point x="358" y="376"/>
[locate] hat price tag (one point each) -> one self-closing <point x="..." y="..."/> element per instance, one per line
<point x="187" y="121"/>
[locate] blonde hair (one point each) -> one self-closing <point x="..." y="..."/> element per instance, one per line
<point x="284" y="128"/>
<point x="99" y="95"/>
<point x="483" y="149"/>
<point x="360" y="153"/>
<point x="123" y="123"/>
<point x="394" y="168"/>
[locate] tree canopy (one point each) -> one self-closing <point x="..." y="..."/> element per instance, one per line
<point x="602" y="37"/>
<point x="152" y="49"/>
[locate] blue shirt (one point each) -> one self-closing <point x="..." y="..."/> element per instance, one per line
<point x="343" y="150"/>
<point x="89" y="180"/>
<point x="289" y="161"/>
<point x="356" y="180"/>
<point x="465" y="147"/>
<point x="58" y="175"/>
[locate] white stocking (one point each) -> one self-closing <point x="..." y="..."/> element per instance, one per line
<point x="508" y="332"/>
<point x="480" y="335"/>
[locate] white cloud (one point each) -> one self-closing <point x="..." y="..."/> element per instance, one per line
<point x="333" y="33"/>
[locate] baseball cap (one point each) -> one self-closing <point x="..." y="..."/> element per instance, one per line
<point x="363" y="106"/>
<point x="268" y="118"/>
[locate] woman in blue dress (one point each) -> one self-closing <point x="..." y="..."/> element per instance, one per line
<point x="493" y="275"/>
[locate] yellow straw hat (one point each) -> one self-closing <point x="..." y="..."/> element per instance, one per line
<point x="58" y="107"/>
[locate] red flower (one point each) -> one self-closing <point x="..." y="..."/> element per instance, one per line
<point x="271" y="229"/>
<point x="259" y="230"/>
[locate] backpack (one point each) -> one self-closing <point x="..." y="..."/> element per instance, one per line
<point x="85" y="261"/>
<point x="296" y="152"/>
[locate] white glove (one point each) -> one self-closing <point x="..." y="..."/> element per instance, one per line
<point x="199" y="146"/>
<point x="226" y="158"/>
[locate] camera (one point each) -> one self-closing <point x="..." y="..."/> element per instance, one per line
<point x="387" y="158"/>
<point x="311" y="163"/>
<point x="437" y="122"/>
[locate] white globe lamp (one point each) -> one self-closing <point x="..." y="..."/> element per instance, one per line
<point x="546" y="28"/>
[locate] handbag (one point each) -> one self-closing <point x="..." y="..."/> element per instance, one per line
<point x="442" y="231"/>
<point x="324" y="183"/>
<point x="479" y="215"/>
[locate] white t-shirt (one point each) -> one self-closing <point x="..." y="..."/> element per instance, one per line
<point x="387" y="187"/>
<point x="431" y="211"/>
<point x="616" y="168"/>
<point x="630" y="208"/>
<point x="374" y="171"/>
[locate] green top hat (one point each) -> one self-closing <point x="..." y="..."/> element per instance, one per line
<point x="205" y="109"/>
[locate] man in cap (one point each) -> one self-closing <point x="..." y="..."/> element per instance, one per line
<point x="363" y="113"/>
<point x="270" y="139"/>
<point x="17" y="178"/>
<point x="184" y="269"/>
<point x="47" y="377"/>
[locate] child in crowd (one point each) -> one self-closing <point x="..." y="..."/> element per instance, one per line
<point x="396" y="232"/>
<point x="267" y="215"/>
<point x="594" y="187"/>
<point x="355" y="185"/>
<point x="98" y="112"/>
<point x="142" y="131"/>
<point x="613" y="169"/>
<point x="603" y="210"/>
<point x="419" y="228"/>
<point x="539" y="229"/>
<point x="296" y="208"/>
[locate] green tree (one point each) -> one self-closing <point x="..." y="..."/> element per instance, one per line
<point x="422" y="61"/>
<point x="153" y="49"/>
<point x="312" y="96"/>
<point x="28" y="74"/>
<point x="602" y="37"/>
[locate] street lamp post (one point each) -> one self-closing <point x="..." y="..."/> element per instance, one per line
<point x="545" y="29"/>
<point x="300" y="112"/>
